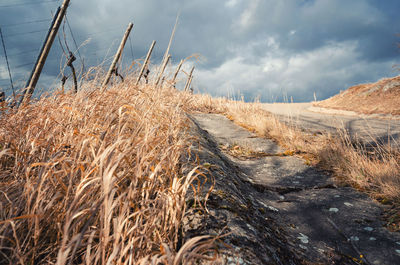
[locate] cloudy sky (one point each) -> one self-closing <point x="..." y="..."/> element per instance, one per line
<point x="256" y="48"/>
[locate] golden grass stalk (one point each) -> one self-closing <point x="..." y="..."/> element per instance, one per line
<point x="96" y="178"/>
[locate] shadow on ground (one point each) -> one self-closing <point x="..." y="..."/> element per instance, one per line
<point x="281" y="211"/>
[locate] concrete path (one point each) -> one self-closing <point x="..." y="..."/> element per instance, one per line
<point x="315" y="119"/>
<point x="323" y="223"/>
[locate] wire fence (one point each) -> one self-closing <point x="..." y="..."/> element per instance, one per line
<point x="23" y="40"/>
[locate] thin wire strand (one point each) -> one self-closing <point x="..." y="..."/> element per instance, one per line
<point x="24" y="52"/>
<point x="8" y="65"/>
<point x="22" y="65"/>
<point x="26" y="22"/>
<point x="130" y="42"/>
<point x="76" y="44"/>
<point x="99" y="32"/>
<point x="29" y="32"/>
<point x="29" y="3"/>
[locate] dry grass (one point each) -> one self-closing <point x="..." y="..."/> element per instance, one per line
<point x="96" y="178"/>
<point x="374" y="170"/>
<point x="245" y="152"/>
<point x="382" y="97"/>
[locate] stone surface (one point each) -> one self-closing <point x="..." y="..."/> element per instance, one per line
<point x="278" y="210"/>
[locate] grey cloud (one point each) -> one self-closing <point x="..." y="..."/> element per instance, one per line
<point x="317" y="22"/>
<point x="324" y="71"/>
<point x="257" y="47"/>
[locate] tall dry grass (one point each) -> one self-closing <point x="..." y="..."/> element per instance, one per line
<point x="375" y="170"/>
<point x="96" y="178"/>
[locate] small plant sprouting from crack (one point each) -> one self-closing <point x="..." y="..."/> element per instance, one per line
<point x="242" y="152"/>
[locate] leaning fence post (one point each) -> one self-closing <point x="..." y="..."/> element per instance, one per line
<point x="163" y="69"/>
<point x="177" y="71"/>
<point x="117" y="56"/>
<point x="146" y="61"/>
<point x="189" y="80"/>
<point x="51" y="35"/>
<point x="166" y="54"/>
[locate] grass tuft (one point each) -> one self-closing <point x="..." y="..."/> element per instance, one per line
<point x="96" y="178"/>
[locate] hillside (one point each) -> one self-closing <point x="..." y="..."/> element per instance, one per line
<point x="382" y="97"/>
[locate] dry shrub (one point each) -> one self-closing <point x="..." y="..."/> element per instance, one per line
<point x="96" y="178"/>
<point x="375" y="170"/>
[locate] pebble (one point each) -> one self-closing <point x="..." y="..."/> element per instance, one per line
<point x="269" y="207"/>
<point x="398" y="243"/>
<point x="372" y="238"/>
<point x="303" y="238"/>
<point x="234" y="261"/>
<point x="337" y="196"/>
<point x="252" y="228"/>
<point x="321" y="251"/>
<point x="354" y="238"/>
<point x="398" y="251"/>
<point x="272" y="209"/>
<point x="296" y="182"/>
<point x="303" y="247"/>
<point x="369" y="229"/>
<point x="348" y="204"/>
<point x="335" y="210"/>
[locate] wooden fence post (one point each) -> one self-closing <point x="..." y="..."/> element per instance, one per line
<point x="45" y="52"/>
<point x="163" y="69"/>
<point x="146" y="61"/>
<point x="189" y="81"/>
<point x="166" y="54"/>
<point x="117" y="56"/>
<point x="8" y="65"/>
<point x="177" y="71"/>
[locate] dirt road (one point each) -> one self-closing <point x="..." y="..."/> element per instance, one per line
<point x="278" y="210"/>
<point x="316" y="119"/>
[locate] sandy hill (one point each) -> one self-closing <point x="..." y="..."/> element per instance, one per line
<point x="382" y="97"/>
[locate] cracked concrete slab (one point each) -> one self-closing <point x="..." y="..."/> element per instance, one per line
<point x="322" y="223"/>
<point x="281" y="172"/>
<point x="226" y="132"/>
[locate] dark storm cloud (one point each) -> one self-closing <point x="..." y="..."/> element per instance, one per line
<point x="314" y="23"/>
<point x="321" y="46"/>
<point x="255" y="47"/>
